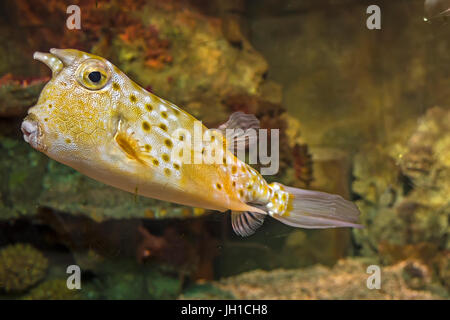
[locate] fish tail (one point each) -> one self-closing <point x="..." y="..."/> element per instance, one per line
<point x="297" y="208"/>
<point x="311" y="209"/>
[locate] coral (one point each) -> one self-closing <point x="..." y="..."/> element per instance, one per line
<point x="21" y="266"/>
<point x="416" y="275"/>
<point x="16" y="95"/>
<point x="139" y="284"/>
<point x="417" y="204"/>
<point x="405" y="196"/>
<point x="346" y="280"/>
<point x="55" y="289"/>
<point x="22" y="170"/>
<point x="124" y="284"/>
<point x="205" y="291"/>
<point x="427" y="151"/>
<point x="124" y="279"/>
<point x="161" y="286"/>
<point x="171" y="47"/>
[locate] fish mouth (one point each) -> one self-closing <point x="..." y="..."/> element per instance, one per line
<point x="32" y="132"/>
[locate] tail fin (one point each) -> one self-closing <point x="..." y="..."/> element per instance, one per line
<point x="317" y="210"/>
<point x="297" y="208"/>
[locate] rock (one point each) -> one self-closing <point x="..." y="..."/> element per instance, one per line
<point x="124" y="279"/>
<point x="346" y="280"/>
<point x="160" y="286"/>
<point x="206" y="291"/>
<point x="22" y="171"/>
<point x="124" y="285"/>
<point x="416" y="275"/>
<point x="405" y="195"/>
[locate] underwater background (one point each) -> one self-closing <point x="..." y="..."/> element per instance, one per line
<point x="362" y="113"/>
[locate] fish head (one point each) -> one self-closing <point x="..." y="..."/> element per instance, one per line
<point x="77" y="110"/>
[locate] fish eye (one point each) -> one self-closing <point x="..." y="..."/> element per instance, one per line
<point x="93" y="74"/>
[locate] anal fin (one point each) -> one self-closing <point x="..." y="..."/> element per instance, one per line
<point x="245" y="223"/>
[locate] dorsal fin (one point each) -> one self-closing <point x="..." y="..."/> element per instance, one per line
<point x="245" y="223"/>
<point x="237" y="130"/>
<point x="240" y="120"/>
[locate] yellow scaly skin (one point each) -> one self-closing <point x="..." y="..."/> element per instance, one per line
<point x="122" y="135"/>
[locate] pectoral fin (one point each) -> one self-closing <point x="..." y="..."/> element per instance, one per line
<point x="130" y="145"/>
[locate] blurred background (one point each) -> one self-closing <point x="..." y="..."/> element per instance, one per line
<point x="362" y="113"/>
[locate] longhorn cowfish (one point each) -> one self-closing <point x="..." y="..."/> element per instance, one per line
<point x="93" y="118"/>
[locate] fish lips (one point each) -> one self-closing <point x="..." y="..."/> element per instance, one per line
<point x="32" y="133"/>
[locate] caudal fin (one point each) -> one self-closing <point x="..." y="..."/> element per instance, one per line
<point x="317" y="210"/>
<point x="298" y="208"/>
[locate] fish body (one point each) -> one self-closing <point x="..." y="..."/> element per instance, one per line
<point x="93" y="118"/>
